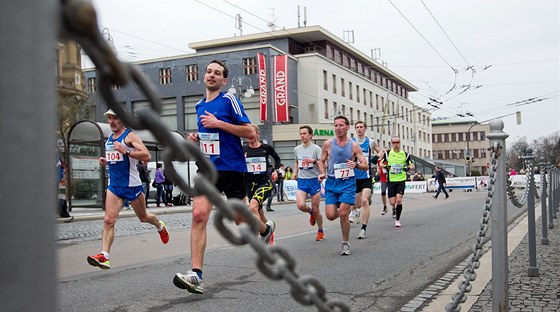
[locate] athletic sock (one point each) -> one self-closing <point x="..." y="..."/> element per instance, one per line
<point x="265" y="233"/>
<point x="399" y="211"/>
<point x="364" y="226"/>
<point x="198" y="272"/>
<point x="105" y="254"/>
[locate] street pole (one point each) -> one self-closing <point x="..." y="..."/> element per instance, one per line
<point x="533" y="271"/>
<point x="500" y="296"/>
<point x="544" y="221"/>
<point x="469" y="158"/>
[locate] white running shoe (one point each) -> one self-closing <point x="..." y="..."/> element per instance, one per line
<point x="362" y="234"/>
<point x="352" y="217"/>
<point x="270" y="234"/>
<point x="397" y="223"/>
<point x="345" y="250"/>
<point x="190" y="281"/>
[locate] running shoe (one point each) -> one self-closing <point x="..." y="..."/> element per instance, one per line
<point x="320" y="236"/>
<point x="384" y="211"/>
<point x="394" y="214"/>
<point x="352" y="217"/>
<point x="163" y="234"/>
<point x="267" y="237"/>
<point x="362" y="234"/>
<point x="99" y="260"/>
<point x="190" y="281"/>
<point x="312" y="219"/>
<point x="397" y="223"/>
<point x="345" y="250"/>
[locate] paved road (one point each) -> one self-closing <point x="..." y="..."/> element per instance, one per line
<point x="386" y="270"/>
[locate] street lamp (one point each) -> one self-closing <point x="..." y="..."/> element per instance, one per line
<point x="249" y="91"/>
<point x="468" y="157"/>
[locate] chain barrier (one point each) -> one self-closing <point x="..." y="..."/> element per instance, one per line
<point x="469" y="273"/>
<point x="79" y="22"/>
<point x="511" y="192"/>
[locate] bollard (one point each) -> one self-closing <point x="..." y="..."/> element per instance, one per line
<point x="531" y="234"/>
<point x="551" y="196"/>
<point x="500" y="290"/>
<point x="544" y="174"/>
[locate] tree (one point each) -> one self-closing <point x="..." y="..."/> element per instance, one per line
<point x="547" y="148"/>
<point x="514" y="153"/>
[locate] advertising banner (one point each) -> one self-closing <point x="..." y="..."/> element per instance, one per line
<point x="453" y="183"/>
<point x="281" y="88"/>
<point x="410" y="187"/>
<point x="261" y="63"/>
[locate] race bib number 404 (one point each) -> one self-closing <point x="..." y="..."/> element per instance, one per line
<point x="209" y="143"/>
<point x="341" y="171"/>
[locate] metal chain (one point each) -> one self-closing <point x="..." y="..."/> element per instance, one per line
<point x="511" y="192"/>
<point x="474" y="259"/>
<point x="79" y="22"/>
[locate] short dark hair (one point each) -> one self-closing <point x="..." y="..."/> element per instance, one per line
<point x="309" y="129"/>
<point x="342" y="117"/>
<point x="360" y="122"/>
<point x="225" y="72"/>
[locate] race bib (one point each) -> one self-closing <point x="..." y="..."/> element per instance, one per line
<point x="113" y="156"/>
<point x="209" y="143"/>
<point x="396" y="168"/>
<point x="341" y="171"/>
<point x="304" y="167"/>
<point x="256" y="164"/>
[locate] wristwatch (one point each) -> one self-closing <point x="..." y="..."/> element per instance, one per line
<point x="127" y="153"/>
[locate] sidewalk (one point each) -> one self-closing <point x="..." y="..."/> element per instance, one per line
<point x="541" y="293"/>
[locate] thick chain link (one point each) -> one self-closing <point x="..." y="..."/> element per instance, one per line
<point x="469" y="273"/>
<point x="79" y="22"/>
<point x="511" y="192"/>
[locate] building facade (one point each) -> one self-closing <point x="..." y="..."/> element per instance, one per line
<point x="462" y="141"/>
<point x="325" y="77"/>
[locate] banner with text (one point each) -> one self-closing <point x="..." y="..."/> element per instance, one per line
<point x="261" y="63"/>
<point x="281" y="88"/>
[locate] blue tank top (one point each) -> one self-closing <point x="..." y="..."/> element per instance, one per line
<point x="224" y="149"/>
<point x="122" y="169"/>
<point x="338" y="156"/>
<point x="363" y="174"/>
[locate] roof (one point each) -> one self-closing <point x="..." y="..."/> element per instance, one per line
<point x="301" y="34"/>
<point x="454" y="121"/>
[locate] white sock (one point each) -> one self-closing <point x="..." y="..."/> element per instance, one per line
<point x="106" y="254"/>
<point x="160" y="227"/>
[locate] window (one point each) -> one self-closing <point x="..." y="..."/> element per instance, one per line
<point x="434" y="138"/>
<point x="446" y="154"/>
<point x="370" y="99"/>
<point x="192" y="72"/>
<point x="343" y="110"/>
<point x="475" y="136"/>
<point x="482" y="153"/>
<point x="165" y="75"/>
<point x="482" y="136"/>
<point x="453" y="138"/>
<point x="350" y="89"/>
<point x="357" y="93"/>
<point x="342" y="87"/>
<point x="351" y="115"/>
<point x="249" y="66"/>
<point x="326" y="106"/>
<point x="460" y="134"/>
<point x="325" y="85"/>
<point x="439" y="137"/>
<point x="337" y="58"/>
<point x="334" y="83"/>
<point x="91" y="85"/>
<point x="475" y="153"/>
<point x="335" y="109"/>
<point x="446" y="137"/>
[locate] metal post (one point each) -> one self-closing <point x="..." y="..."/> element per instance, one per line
<point x="551" y="196"/>
<point x="544" y="173"/>
<point x="500" y="291"/>
<point x="533" y="271"/>
<point x="28" y="140"/>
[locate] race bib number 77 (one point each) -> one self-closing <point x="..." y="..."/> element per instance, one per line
<point x="341" y="171"/>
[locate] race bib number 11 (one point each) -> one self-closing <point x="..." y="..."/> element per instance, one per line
<point x="209" y="143"/>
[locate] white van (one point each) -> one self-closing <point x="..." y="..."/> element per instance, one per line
<point x="187" y="170"/>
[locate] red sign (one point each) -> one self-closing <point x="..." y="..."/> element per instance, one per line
<point x="281" y="88"/>
<point x="261" y="62"/>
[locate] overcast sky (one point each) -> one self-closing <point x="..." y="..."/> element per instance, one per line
<point x="481" y="57"/>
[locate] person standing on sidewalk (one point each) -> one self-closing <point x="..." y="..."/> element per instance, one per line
<point x="144" y="173"/>
<point x="258" y="185"/>
<point x="123" y="150"/>
<point x="306" y="172"/>
<point x="440" y="178"/>
<point x="221" y="123"/>
<point x="340" y="187"/>
<point x="397" y="162"/>
<point x="363" y="178"/>
<point x="280" y="183"/>
<point x="159" y="181"/>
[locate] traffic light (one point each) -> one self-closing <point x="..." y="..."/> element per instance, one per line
<point x="468" y="158"/>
